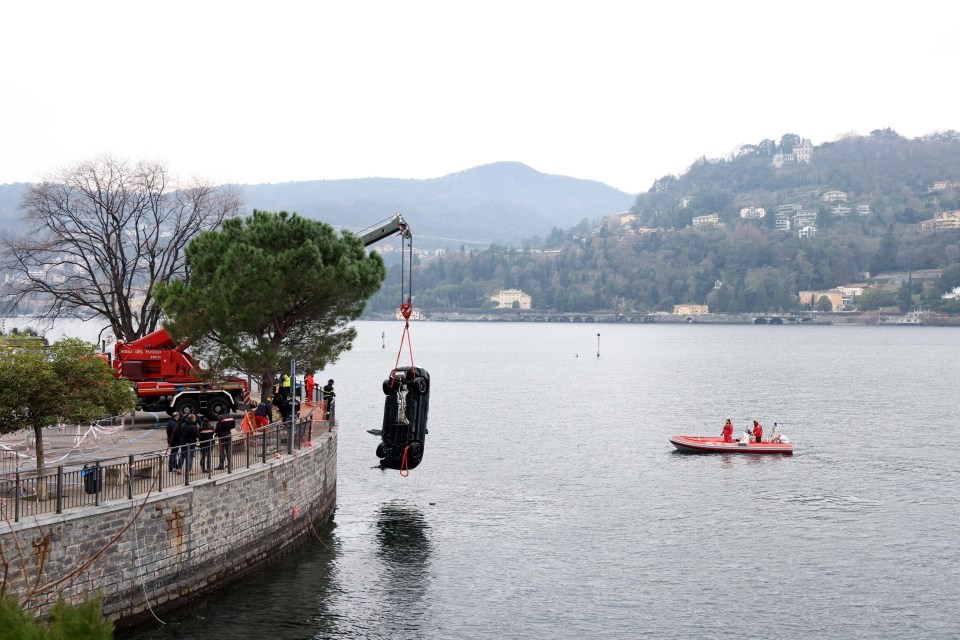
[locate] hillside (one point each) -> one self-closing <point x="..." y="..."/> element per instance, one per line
<point x="848" y="212"/>
<point x="895" y="177"/>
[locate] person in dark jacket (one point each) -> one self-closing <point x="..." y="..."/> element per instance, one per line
<point x="330" y="396"/>
<point x="173" y="442"/>
<point x="264" y="414"/>
<point x="285" y="406"/>
<point x="189" y="436"/>
<point x="206" y="442"/>
<point x="224" y="433"/>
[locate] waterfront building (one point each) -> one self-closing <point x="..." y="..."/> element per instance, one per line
<point x="690" y="309"/>
<point x="506" y="297"/>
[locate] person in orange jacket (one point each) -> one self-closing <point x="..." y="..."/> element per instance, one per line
<point x="757" y="430"/>
<point x="728" y="431"/>
<point x="308" y="387"/>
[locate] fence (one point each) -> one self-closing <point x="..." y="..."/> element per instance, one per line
<point x="122" y="478"/>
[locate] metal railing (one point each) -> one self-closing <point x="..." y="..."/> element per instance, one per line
<point x="24" y="494"/>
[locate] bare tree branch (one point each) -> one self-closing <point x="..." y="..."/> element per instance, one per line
<point x="98" y="237"/>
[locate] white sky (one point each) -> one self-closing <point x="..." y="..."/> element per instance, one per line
<point x="620" y="91"/>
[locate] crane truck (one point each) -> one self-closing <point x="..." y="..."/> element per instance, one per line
<point x="167" y="378"/>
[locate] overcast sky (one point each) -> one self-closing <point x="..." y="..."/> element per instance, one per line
<point x="619" y="92"/>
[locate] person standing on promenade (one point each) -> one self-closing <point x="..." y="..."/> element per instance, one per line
<point x="206" y="442"/>
<point x="308" y="387"/>
<point x="189" y="436"/>
<point x="330" y="396"/>
<point x="173" y="442"/>
<point x="223" y="432"/>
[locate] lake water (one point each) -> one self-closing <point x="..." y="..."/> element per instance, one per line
<point x="551" y="505"/>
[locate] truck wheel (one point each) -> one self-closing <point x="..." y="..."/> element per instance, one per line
<point x="186" y="405"/>
<point x="218" y="407"/>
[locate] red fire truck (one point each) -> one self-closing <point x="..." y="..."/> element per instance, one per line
<point x="167" y="378"/>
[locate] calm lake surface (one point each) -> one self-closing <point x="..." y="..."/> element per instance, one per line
<point x="551" y="505"/>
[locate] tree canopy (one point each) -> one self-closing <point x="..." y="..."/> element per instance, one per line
<point x="99" y="236"/>
<point x="67" y="382"/>
<point x="271" y="288"/>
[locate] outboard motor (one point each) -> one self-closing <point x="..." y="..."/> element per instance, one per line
<point x="404" y="418"/>
<point x="778" y="436"/>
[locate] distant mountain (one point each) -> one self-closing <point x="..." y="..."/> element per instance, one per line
<point x="10" y="195"/>
<point x="503" y="202"/>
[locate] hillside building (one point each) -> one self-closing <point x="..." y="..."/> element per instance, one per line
<point x="618" y="220"/>
<point x="805" y="218"/>
<point x="711" y="220"/>
<point x="943" y="221"/>
<point x="801" y="153"/>
<point x="834" y="196"/>
<point x="752" y="213"/>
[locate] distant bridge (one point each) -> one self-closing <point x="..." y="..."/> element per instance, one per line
<point x="782" y="319"/>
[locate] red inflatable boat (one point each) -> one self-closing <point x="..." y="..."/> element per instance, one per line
<point x="710" y="444"/>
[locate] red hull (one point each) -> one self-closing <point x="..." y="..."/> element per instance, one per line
<point x="709" y="444"/>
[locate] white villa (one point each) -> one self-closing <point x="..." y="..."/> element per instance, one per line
<point x="506" y="297"/>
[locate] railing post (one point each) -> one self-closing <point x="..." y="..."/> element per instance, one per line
<point x="263" y="451"/>
<point x="16" y="498"/>
<point x="161" y="465"/>
<point x="290" y="431"/>
<point x="130" y="478"/>
<point x="97" y="482"/>
<point x="229" y="455"/>
<point x="60" y="489"/>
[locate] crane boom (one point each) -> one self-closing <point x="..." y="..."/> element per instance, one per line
<point x="395" y="225"/>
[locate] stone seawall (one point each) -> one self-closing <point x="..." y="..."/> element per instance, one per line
<point x="151" y="552"/>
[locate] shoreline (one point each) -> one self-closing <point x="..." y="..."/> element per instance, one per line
<point x="865" y="318"/>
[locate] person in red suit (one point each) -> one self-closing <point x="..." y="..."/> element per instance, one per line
<point x="757" y="430"/>
<point x="728" y="431"/>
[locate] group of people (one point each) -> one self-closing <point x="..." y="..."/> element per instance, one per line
<point x="728" y="431"/>
<point x="285" y="387"/>
<point x="192" y="432"/>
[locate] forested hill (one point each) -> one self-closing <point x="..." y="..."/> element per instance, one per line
<point x="503" y="202"/>
<point x="897" y="177"/>
<point x="835" y="214"/>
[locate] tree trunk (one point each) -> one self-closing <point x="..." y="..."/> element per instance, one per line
<point x="266" y="386"/>
<point x="41" y="467"/>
